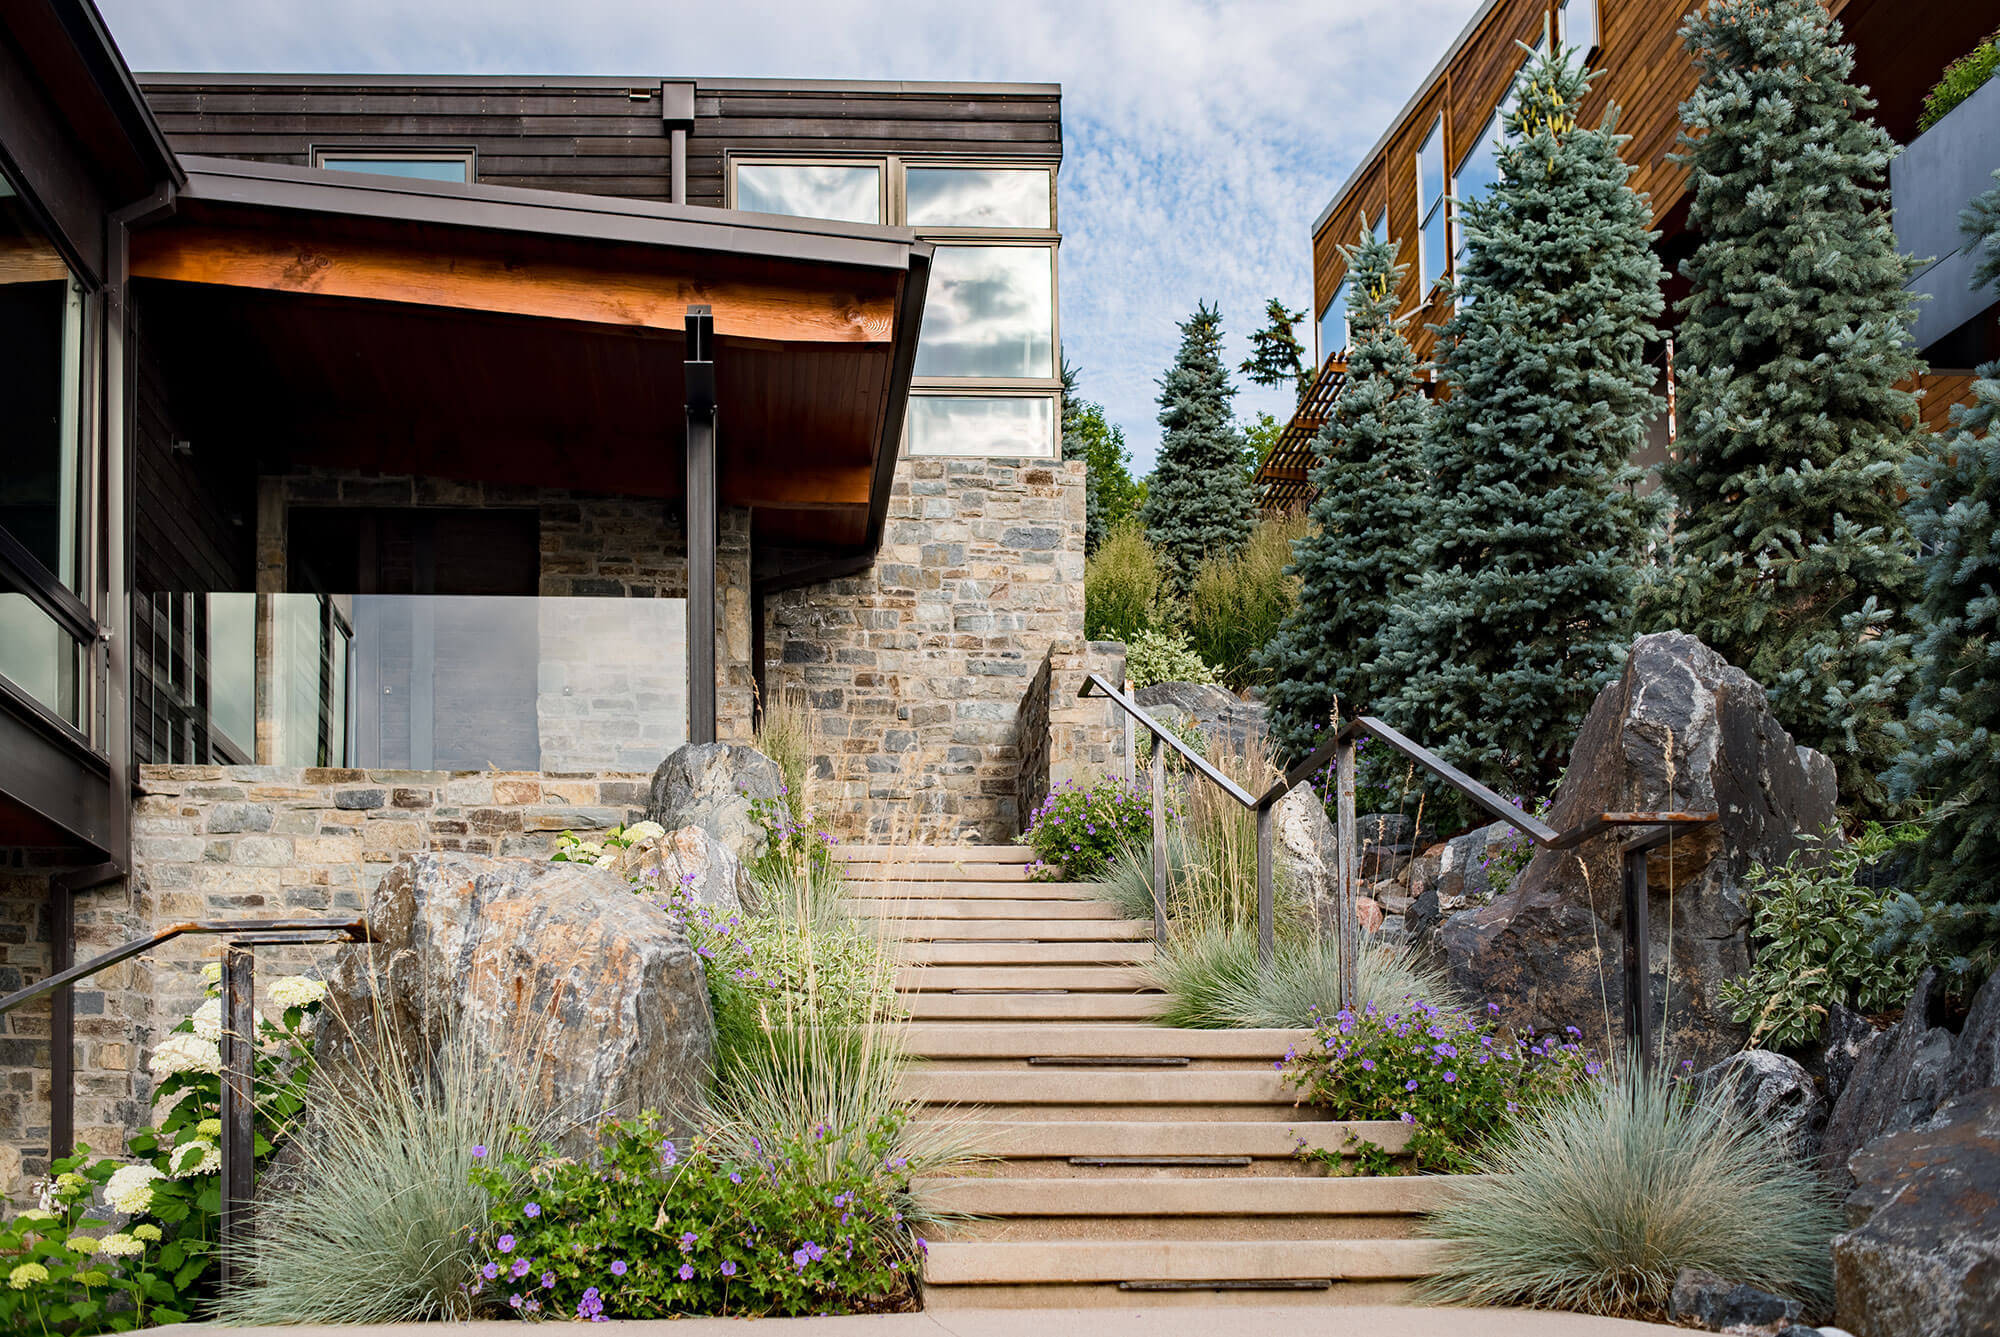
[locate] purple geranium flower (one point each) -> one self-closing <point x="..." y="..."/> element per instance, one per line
<point x="728" y="1268"/>
<point x="618" y="1267"/>
<point x="687" y="1271"/>
<point x="506" y="1243"/>
<point x="532" y="1210"/>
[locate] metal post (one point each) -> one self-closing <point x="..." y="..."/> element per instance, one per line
<point x="1638" y="1000"/>
<point x="1349" y="927"/>
<point x="1131" y="740"/>
<point x="1267" y="914"/>
<point x="701" y="524"/>
<point x="1159" y="841"/>
<point x="239" y="1049"/>
<point x="62" y="1021"/>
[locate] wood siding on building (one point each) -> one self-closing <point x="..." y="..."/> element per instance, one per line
<point x="599" y="136"/>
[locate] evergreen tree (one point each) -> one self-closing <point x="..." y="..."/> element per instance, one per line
<point x="1526" y="607"/>
<point x="1362" y="548"/>
<point x="1198" y="501"/>
<point x="1111" y="497"/>
<point x="1277" y="357"/>
<point x="1953" y="736"/>
<point x="1790" y="554"/>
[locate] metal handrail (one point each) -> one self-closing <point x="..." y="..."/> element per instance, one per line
<point x="1339" y="749"/>
<point x="238" y="1045"/>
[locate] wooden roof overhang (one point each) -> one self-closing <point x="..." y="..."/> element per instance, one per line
<point x="312" y="318"/>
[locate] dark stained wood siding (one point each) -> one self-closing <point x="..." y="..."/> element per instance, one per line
<point x="600" y="137"/>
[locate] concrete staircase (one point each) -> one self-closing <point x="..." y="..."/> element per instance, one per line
<point x="1133" y="1164"/>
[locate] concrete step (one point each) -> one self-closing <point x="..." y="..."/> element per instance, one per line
<point x="1001" y="854"/>
<point x="954" y="908"/>
<point x="1100" y="1262"/>
<point x="1075" y="979"/>
<point x="1085" y="1007"/>
<point x="1062" y="1086"/>
<point x="1022" y="1042"/>
<point x="902" y="889"/>
<point x="1259" y="1139"/>
<point x="1394" y="1196"/>
<point x="1014" y="930"/>
<point x="1025" y="953"/>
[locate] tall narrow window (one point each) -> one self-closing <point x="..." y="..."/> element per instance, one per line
<point x="1431" y="245"/>
<point x="1333" y="325"/>
<point x="1577" y="21"/>
<point x="1479" y="170"/>
<point x="845" y="193"/>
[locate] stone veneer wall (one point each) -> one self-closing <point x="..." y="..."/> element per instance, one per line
<point x="917" y="668"/>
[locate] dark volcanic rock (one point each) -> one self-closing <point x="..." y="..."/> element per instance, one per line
<point x="1708" y="1300"/>
<point x="1680" y="730"/>
<point x="1774" y="1090"/>
<point x="1923" y="1256"/>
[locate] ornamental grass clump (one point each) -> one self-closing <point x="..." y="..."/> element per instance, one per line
<point x="1215" y="983"/>
<point x="1451" y="1075"/>
<point x="1597" y="1200"/>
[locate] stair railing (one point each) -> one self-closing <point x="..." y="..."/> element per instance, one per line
<point x="1339" y="750"/>
<point x="238" y="1043"/>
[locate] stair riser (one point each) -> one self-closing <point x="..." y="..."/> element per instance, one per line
<point x="896" y="890"/>
<point x="1032" y="1007"/>
<point x="1056" y="1298"/>
<point x="1283" y="1115"/>
<point x="1012" y="1041"/>
<point x="1058" y="1087"/>
<point x="944" y="979"/>
<point x="1140" y="1229"/>
<point x="862" y="907"/>
<point x="1274" y="1139"/>
<point x="1397" y="1198"/>
<point x="934" y="872"/>
<point x="1102" y="1064"/>
<point x="1114" y="1261"/>
<point x="950" y="854"/>
<point x="1006" y="930"/>
<point x="1024" y="953"/>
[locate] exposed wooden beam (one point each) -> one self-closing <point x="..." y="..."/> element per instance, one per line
<point x="790" y="487"/>
<point x="473" y="280"/>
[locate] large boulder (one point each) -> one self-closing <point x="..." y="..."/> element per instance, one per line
<point x="555" y="972"/>
<point x="1775" y="1091"/>
<point x="1902" y="1076"/>
<point x="1223" y="718"/>
<point x="1304" y="851"/>
<point x="713" y="786"/>
<point x="689" y="862"/>
<point x="1679" y="730"/>
<point x="1922" y="1256"/>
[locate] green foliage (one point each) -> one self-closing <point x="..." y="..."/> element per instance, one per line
<point x="1164" y="656"/>
<point x="1951" y="742"/>
<point x="1277" y="356"/>
<point x="1260" y="438"/>
<point x="1534" y="535"/>
<point x="1079" y="829"/>
<point x="1789" y="554"/>
<point x="1449" y="1074"/>
<point x="1214" y="982"/>
<point x="653" y="1227"/>
<point x="1364" y="544"/>
<point x="1598" y="1200"/>
<point x="67" y="1271"/>
<point x="1813" y="932"/>
<point x="1121" y="586"/>
<point x="1198" y="501"/>
<point x="1236" y="603"/>
<point x="376" y="1218"/>
<point x="1961" y="79"/>
<point x="1111" y="497"/>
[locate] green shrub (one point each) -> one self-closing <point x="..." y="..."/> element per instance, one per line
<point x="1961" y="79"/>
<point x="1214" y="983"/>
<point x="1121" y="585"/>
<point x="375" y="1219"/>
<point x="1596" y="1202"/>
<point x="1813" y="934"/>
<point x="1235" y="603"/>
<point x="1449" y="1074"/>
<point x="1164" y="656"/>
<point x="1078" y="829"/>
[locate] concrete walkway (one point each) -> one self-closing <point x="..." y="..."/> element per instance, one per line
<point x="1235" y="1320"/>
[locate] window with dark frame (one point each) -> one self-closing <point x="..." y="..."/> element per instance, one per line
<point x="1432" y="247"/>
<point x="457" y="165"/>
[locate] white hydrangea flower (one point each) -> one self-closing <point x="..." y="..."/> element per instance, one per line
<point x="604" y="861"/>
<point x="130" y="1189"/>
<point x="639" y="831"/>
<point x="120" y="1245"/>
<point x="212" y="973"/>
<point x="297" y="991"/>
<point x="184" y="1053"/>
<point x="196" y="1156"/>
<point x="207" y="1020"/>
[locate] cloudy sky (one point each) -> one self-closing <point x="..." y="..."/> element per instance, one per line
<point x="1203" y="136"/>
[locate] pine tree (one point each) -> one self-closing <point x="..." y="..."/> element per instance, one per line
<point x="1277" y="357"/>
<point x="1952" y="753"/>
<point x="1198" y="502"/>
<point x="1110" y="496"/>
<point x="1362" y="548"/>
<point x="1790" y="554"/>
<point x="1526" y="607"/>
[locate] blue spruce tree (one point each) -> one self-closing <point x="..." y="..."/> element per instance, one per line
<point x="1198" y="501"/>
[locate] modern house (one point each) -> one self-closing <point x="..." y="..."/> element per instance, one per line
<point x="1441" y="149"/>
<point x="416" y="462"/>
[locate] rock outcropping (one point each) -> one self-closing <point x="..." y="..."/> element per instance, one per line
<point x="712" y="786"/>
<point x="1224" y="718"/>
<point x="1680" y="730"/>
<point x="555" y="972"/>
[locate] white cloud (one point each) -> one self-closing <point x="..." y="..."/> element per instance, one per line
<point x="1203" y="137"/>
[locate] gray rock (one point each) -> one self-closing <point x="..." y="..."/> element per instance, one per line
<point x="1922" y="1257"/>
<point x="554" y="971"/>
<point x="1774" y="1090"/>
<point x="694" y="862"/>
<point x="1304" y="851"/>
<point x="1704" y="1299"/>
<point x="1902" y="1076"/>
<point x="1846" y="1032"/>
<point x="1461" y="868"/>
<point x="1220" y="714"/>
<point x="712" y="786"/>
<point x="1384" y="828"/>
<point x="1682" y="730"/>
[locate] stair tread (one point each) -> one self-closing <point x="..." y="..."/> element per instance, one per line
<point x="1026" y="1041"/>
<point x="1014" y="930"/>
<point x="1029" y="1006"/>
<point x="934" y="853"/>
<point x="1302" y="1195"/>
<point x="1004" y="953"/>
<point x="989" y="1086"/>
<point x="1024" y="1139"/>
<point x="978" y="1263"/>
<point x="941" y="907"/>
<point x="937" y="978"/>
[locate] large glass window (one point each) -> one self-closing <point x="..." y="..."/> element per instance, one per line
<point x="990" y="312"/>
<point x="982" y="425"/>
<point x="1009" y="197"/>
<point x="38" y="656"/>
<point x="1479" y="171"/>
<point x="1333" y="325"/>
<point x="1577" y="22"/>
<point x="452" y="166"/>
<point x="1430" y="207"/>
<point x="844" y="193"/>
